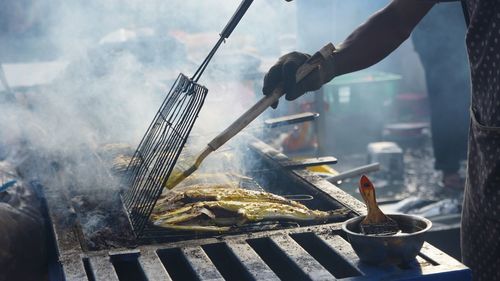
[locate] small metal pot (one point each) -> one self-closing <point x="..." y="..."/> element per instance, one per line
<point x="388" y="250"/>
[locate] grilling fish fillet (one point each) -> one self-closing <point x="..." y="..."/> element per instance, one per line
<point x="120" y="164"/>
<point x="217" y="208"/>
<point x="218" y="192"/>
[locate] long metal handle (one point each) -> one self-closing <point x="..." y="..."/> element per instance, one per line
<point x="242" y="9"/>
<point x="354" y="172"/>
<point x="245" y="119"/>
<point x="233" y="22"/>
<point x="245" y="4"/>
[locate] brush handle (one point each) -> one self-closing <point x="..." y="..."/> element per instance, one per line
<point x="370" y="200"/>
<point x="245" y="119"/>
<point x="367" y="191"/>
<point x="374" y="215"/>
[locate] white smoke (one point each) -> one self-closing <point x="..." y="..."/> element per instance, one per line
<point x="111" y="88"/>
<point x="110" y="91"/>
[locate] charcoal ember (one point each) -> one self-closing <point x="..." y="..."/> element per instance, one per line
<point x="103" y="222"/>
<point x="107" y="238"/>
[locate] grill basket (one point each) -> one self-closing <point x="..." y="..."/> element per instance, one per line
<point x="160" y="148"/>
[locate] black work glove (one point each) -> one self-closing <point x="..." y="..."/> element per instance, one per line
<point x="285" y="71"/>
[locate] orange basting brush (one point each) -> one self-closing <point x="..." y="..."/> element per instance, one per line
<point x="375" y="222"/>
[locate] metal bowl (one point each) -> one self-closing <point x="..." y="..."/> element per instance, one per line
<point x="388" y="250"/>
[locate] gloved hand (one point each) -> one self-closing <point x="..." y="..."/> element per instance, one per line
<point x="285" y="70"/>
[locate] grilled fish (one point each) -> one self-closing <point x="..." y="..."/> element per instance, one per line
<point x="218" y="207"/>
<point x="120" y="164"/>
<point x="219" y="215"/>
<point x="218" y="192"/>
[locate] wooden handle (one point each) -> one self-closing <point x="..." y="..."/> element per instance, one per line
<point x="367" y="192"/>
<point x="267" y="101"/>
<point x="246" y="118"/>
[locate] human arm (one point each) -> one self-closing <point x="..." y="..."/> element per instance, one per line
<point x="379" y="36"/>
<point x="371" y="42"/>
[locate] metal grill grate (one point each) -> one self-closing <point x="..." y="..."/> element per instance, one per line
<point x="281" y="256"/>
<point x="160" y="148"/>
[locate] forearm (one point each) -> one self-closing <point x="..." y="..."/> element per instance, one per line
<point x="379" y="36"/>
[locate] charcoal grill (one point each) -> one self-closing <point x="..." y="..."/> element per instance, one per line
<point x="313" y="252"/>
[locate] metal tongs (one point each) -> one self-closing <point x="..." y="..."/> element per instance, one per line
<point x="177" y="176"/>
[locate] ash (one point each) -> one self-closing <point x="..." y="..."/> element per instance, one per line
<point x="104" y="224"/>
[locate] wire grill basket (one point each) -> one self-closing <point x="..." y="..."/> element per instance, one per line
<point x="160" y="148"/>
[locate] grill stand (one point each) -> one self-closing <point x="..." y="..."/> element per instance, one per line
<point x="317" y="252"/>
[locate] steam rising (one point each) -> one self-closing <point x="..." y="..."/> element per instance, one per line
<point x="121" y="57"/>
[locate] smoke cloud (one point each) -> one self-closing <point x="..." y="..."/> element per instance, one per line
<point x="116" y="60"/>
<point x="120" y="58"/>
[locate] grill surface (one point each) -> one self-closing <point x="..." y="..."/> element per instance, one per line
<point x="317" y="252"/>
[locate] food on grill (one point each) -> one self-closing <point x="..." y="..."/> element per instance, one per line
<point x="116" y="148"/>
<point x="120" y="164"/>
<point x="219" y="215"/>
<point x="116" y="156"/>
<point x="219" y="207"/>
<point x="218" y="192"/>
<point x="179" y="174"/>
<point x="121" y="161"/>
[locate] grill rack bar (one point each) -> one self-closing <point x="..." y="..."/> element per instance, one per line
<point x="323" y="243"/>
<point x="152" y="266"/>
<point x="153" y="233"/>
<point x="199" y="260"/>
<point x="251" y="261"/>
